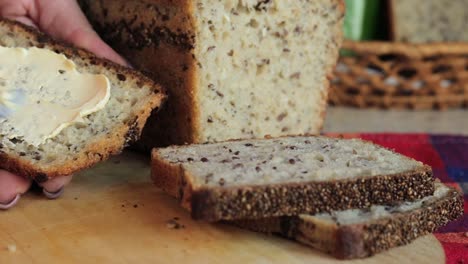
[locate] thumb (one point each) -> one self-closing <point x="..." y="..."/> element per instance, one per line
<point x="87" y="38"/>
<point x="64" y="19"/>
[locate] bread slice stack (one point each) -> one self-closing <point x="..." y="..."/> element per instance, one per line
<point x="132" y="99"/>
<point x="344" y="196"/>
<point x="358" y="233"/>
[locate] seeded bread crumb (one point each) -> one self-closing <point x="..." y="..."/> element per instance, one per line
<point x="234" y="69"/>
<point x="106" y="132"/>
<point x="359" y="233"/>
<point x="250" y="179"/>
<point x="429" y="21"/>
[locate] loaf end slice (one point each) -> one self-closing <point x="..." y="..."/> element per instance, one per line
<point x="251" y="179"/>
<point x="105" y="132"/>
<point x="359" y="233"/>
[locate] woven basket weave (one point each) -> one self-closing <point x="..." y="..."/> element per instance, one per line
<point x="399" y="75"/>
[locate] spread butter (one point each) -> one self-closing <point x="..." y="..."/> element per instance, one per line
<point x="55" y="94"/>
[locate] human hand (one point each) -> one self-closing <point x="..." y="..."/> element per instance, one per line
<point x="62" y="19"/>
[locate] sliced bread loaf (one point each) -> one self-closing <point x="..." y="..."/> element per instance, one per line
<point x="234" y="69"/>
<point x="251" y="179"/>
<point x="100" y="134"/>
<point x="425" y="21"/>
<point x="358" y="233"/>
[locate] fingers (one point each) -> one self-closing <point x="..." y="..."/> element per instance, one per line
<point x="10" y="204"/>
<point x="11" y="188"/>
<point x="64" y="19"/>
<point x="16" y="10"/>
<point x="88" y="39"/>
<point x="53" y="189"/>
<point x="24" y="20"/>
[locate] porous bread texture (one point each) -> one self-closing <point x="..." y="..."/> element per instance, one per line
<point x="362" y="233"/>
<point x="104" y="132"/>
<point x="270" y="60"/>
<point x="234" y="69"/>
<point x="251" y="179"/>
<point x="377" y="212"/>
<point x="298" y="159"/>
<point x="427" y="21"/>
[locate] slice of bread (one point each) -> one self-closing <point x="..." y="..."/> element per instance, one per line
<point x="428" y="21"/>
<point x="358" y="233"/>
<point x="250" y="179"/>
<point x="233" y="69"/>
<point x="105" y="132"/>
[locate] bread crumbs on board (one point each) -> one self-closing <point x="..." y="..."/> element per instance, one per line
<point x="11" y="248"/>
<point x="174" y="224"/>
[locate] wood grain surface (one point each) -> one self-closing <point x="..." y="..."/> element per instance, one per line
<point x="113" y="214"/>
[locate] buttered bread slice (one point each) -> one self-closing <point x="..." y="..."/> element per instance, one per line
<point x="358" y="233"/>
<point x="251" y="179"/>
<point x="76" y="109"/>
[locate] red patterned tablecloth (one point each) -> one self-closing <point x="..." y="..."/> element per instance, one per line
<point x="448" y="156"/>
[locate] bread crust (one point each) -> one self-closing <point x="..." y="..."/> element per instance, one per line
<point x="364" y="239"/>
<point x="134" y="36"/>
<point x="410" y="50"/>
<point x="254" y="202"/>
<point x="149" y="41"/>
<point x="101" y="148"/>
<point x="392" y="28"/>
<point x="341" y="5"/>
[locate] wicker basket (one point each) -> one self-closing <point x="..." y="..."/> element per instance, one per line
<point x="399" y="75"/>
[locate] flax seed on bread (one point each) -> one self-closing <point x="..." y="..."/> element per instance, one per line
<point x="234" y="69"/>
<point x="251" y="179"/>
<point x="106" y="132"/>
<point x="358" y="233"/>
<point x="429" y="21"/>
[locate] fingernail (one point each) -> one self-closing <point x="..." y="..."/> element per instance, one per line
<point x="53" y="195"/>
<point x="10" y="204"/>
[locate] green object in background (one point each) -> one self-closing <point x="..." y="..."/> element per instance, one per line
<point x="362" y="19"/>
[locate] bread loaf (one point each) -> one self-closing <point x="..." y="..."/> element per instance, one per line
<point x="233" y="69"/>
<point x="426" y="21"/>
<point x="251" y="179"/>
<point x="100" y="134"/>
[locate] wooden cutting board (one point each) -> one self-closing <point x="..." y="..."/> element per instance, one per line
<point x="113" y="214"/>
